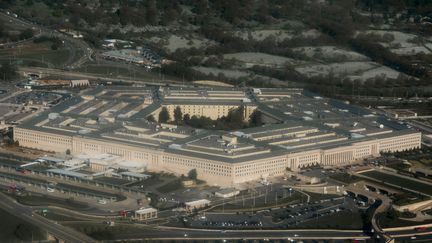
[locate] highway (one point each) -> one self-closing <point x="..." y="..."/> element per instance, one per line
<point x="26" y="213"/>
<point x="166" y="233"/>
<point x="170" y="233"/>
<point x="59" y="72"/>
<point x="72" y="44"/>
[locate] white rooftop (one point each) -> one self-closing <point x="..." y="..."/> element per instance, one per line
<point x="197" y="202"/>
<point x="145" y="210"/>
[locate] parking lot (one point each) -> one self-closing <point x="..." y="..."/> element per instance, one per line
<point x="284" y="217"/>
<point x="34" y="97"/>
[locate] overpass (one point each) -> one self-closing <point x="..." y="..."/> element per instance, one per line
<point x="361" y="188"/>
<point x="58" y="231"/>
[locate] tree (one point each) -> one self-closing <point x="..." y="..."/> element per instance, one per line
<point x="193" y="174"/>
<point x="255" y="119"/>
<point x="152" y="12"/>
<point x="1" y="29"/>
<point x="234" y="119"/>
<point x="7" y="71"/>
<point x="186" y="118"/>
<point x="151" y="118"/>
<point x="178" y="115"/>
<point x="26" y="34"/>
<point x="164" y="115"/>
<point x="68" y="152"/>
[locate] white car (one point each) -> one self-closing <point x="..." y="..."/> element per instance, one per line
<point x="102" y="201"/>
<point x="49" y="189"/>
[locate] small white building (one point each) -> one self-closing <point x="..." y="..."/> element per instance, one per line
<point x="79" y="83"/>
<point x="146" y="214"/>
<point x="202" y="203"/>
<point x="51" y="160"/>
<point x="227" y="193"/>
<point x="101" y="162"/>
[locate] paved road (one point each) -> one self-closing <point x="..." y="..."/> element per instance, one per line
<point x="26" y="213"/>
<point x="59" y="72"/>
<point x="190" y="234"/>
<point x="421" y="126"/>
<point x="166" y="233"/>
<point x="73" y="44"/>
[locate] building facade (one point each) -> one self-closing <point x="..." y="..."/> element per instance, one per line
<point x="311" y="131"/>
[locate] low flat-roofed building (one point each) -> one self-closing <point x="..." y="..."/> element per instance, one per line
<point x="79" y="83"/>
<point x="134" y="176"/>
<point x="192" y="205"/>
<point x="227" y="192"/>
<point x="112" y="121"/>
<point x="69" y="174"/>
<point x="146" y="214"/>
<point x="52" y="160"/>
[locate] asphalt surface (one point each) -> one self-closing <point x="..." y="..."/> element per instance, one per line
<point x="26" y="213"/>
<point x="60" y="72"/>
<point x="73" y="44"/>
<point x="190" y="234"/>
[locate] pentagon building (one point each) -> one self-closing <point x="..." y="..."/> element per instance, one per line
<point x="301" y="130"/>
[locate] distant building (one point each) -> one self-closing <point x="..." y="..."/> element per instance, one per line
<point x="133" y="176"/>
<point x="202" y="203"/>
<point x="188" y="183"/>
<point x="140" y="55"/>
<point x="111" y="121"/>
<point x="73" y="33"/>
<point x="146" y="214"/>
<point x="79" y="83"/>
<point x="227" y="193"/>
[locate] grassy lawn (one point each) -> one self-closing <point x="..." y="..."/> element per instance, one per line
<point x="57" y="216"/>
<point x="57" y="57"/>
<point x="171" y="186"/>
<point x="111" y="70"/>
<point x="344" y="178"/>
<point x="36" y="200"/>
<point x="342" y="220"/>
<point x="319" y="196"/>
<point x="405" y="199"/>
<point x="100" y="192"/>
<point x="100" y="231"/>
<point x="398" y="166"/>
<point x="390" y="219"/>
<point x="399" y="181"/>
<point x="39" y="54"/>
<point x="260" y="202"/>
<point x="132" y="72"/>
<point x="429" y="211"/>
<point x="14" y="229"/>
